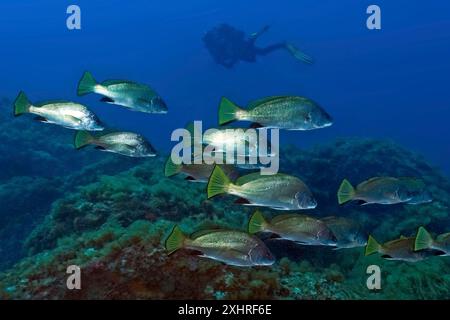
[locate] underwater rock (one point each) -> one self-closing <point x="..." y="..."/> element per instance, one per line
<point x="113" y="226"/>
<point x="39" y="164"/>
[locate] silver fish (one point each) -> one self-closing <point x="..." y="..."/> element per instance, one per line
<point x="125" y="143"/>
<point x="349" y="233"/>
<point x="294" y="227"/>
<point x="67" y="114"/>
<point x="424" y="240"/>
<point x="385" y="190"/>
<point x="132" y="95"/>
<point x="278" y="191"/>
<point x="283" y="112"/>
<point x="231" y="247"/>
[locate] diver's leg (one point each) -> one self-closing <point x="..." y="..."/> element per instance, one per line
<point x="296" y="53"/>
<point x="266" y="50"/>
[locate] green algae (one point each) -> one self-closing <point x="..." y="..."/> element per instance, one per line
<point x="113" y="227"/>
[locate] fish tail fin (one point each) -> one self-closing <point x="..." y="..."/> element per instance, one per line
<point x="424" y="240"/>
<point x="218" y="182"/>
<point x="228" y="111"/>
<point x="87" y="84"/>
<point x="175" y="240"/>
<point x="297" y="54"/>
<point x="257" y="222"/>
<point x="21" y="104"/>
<point x="372" y="246"/>
<point x="82" y="139"/>
<point x="346" y="192"/>
<point x="171" y="168"/>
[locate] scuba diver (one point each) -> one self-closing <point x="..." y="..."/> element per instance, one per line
<point x="228" y="46"/>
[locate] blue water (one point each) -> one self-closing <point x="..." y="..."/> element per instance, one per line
<point x="390" y="83"/>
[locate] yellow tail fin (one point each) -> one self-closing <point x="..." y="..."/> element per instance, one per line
<point x="22" y="104"/>
<point x="346" y="192"/>
<point x="86" y="84"/>
<point x="227" y="111"/>
<point x="257" y="223"/>
<point x="372" y="246"/>
<point x="171" y="168"/>
<point x="423" y="239"/>
<point x="82" y="139"/>
<point x="175" y="240"/>
<point x="218" y="182"/>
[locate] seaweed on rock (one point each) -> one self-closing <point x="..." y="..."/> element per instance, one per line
<point x="113" y="227"/>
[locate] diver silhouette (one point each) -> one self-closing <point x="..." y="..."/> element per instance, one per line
<point x="228" y="46"/>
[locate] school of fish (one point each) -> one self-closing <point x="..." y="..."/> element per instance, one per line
<point x="279" y="192"/>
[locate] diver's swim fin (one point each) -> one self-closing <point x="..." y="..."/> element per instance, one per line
<point x="297" y="54"/>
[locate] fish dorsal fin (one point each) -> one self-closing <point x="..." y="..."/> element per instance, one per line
<point x="283" y="217"/>
<point x="198" y="234"/>
<point x="371" y="180"/>
<point x="130" y="83"/>
<point x="247" y="178"/>
<point x="44" y="103"/>
<point x="106" y="131"/>
<point x="256" y="175"/>
<point x="393" y="242"/>
<point x="117" y="81"/>
<point x="258" y="102"/>
<point x="412" y="181"/>
<point x="443" y="237"/>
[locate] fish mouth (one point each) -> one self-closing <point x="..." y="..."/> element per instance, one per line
<point x="325" y="125"/>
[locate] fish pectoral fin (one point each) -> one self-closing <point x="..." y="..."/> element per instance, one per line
<point x="242" y="201"/>
<point x="41" y="119"/>
<point x="197" y="253"/>
<point x="143" y="101"/>
<point x="274" y="237"/>
<point x="73" y="119"/>
<point x="107" y="100"/>
<point x="302" y="243"/>
<point x="255" y="125"/>
<point x="280" y="208"/>
<point x="361" y="202"/>
<point x="189" y="178"/>
<point x="100" y="148"/>
<point x="233" y="253"/>
<point x="438" y="252"/>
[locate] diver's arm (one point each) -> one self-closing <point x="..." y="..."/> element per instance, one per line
<point x="255" y="35"/>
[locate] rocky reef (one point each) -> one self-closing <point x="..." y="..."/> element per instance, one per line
<point x="110" y="215"/>
<point x="39" y="165"/>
